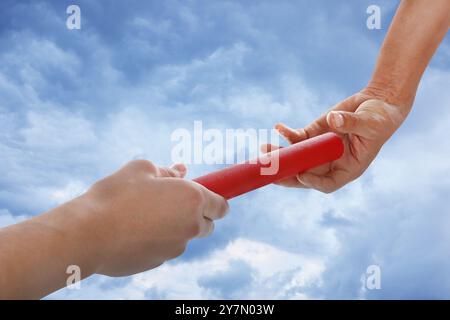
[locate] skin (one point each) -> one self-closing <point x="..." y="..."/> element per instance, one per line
<point x="129" y="222"/>
<point x="142" y="215"/>
<point x="367" y="119"/>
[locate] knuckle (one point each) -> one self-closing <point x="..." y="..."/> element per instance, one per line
<point x="224" y="209"/>
<point x="143" y="165"/>
<point x="210" y="229"/>
<point x="196" y="196"/>
<point x="307" y="133"/>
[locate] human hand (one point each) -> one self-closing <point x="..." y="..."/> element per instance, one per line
<point x="364" y="122"/>
<point x="144" y="215"/>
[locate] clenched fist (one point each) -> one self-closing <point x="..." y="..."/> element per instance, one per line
<point x="145" y="215"/>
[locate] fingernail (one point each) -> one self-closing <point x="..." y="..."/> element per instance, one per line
<point x="302" y="180"/>
<point x="180" y="169"/>
<point x="337" y="119"/>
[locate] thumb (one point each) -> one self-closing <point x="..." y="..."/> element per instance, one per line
<point x="346" y="122"/>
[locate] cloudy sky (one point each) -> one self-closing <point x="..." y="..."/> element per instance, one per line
<point x="77" y="104"/>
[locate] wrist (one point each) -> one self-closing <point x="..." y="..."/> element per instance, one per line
<point x="394" y="96"/>
<point x="74" y="225"/>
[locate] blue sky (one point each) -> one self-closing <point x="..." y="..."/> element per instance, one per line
<point x="77" y="104"/>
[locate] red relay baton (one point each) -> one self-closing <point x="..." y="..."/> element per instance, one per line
<point x="279" y="164"/>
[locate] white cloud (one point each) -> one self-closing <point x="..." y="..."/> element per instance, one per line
<point x="281" y="243"/>
<point x="56" y="130"/>
<point x="274" y="273"/>
<point x="33" y="58"/>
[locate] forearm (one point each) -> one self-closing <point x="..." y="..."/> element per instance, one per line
<point x="35" y="254"/>
<point x="414" y="35"/>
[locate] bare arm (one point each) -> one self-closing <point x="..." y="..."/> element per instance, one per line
<point x="129" y="222"/>
<point x="416" y="31"/>
<point x="35" y="254"/>
<point x="368" y="119"/>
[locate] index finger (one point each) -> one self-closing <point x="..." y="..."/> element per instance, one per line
<point x="320" y="125"/>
